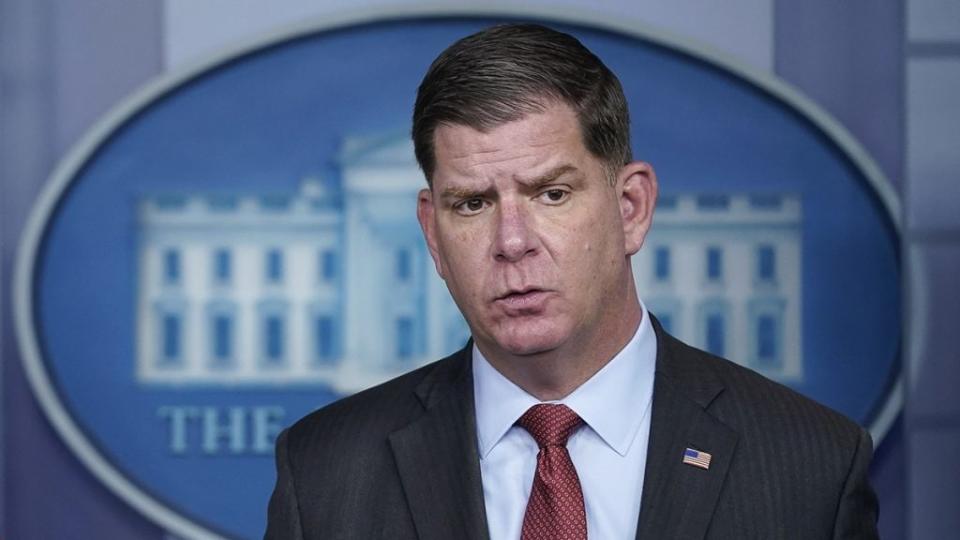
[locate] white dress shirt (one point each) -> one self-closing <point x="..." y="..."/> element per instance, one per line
<point x="609" y="451"/>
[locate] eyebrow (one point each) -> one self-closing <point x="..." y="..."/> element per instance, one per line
<point x="457" y="192"/>
<point x="548" y="177"/>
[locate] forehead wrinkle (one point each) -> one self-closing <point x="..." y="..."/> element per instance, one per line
<point x="491" y="144"/>
<point x="487" y="158"/>
<point x="474" y="160"/>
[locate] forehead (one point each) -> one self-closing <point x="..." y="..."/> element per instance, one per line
<point x="535" y="141"/>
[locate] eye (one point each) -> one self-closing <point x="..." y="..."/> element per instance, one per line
<point x="470" y="206"/>
<point x="554" y="195"/>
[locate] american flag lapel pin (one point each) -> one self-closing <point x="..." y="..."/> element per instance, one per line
<point x="697" y="458"/>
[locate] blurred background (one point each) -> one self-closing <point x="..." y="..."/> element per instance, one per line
<point x="888" y="72"/>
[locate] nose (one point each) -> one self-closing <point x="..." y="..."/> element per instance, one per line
<point x="516" y="236"/>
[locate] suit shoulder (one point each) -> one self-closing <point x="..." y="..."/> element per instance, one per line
<point x="367" y="415"/>
<point x="750" y="399"/>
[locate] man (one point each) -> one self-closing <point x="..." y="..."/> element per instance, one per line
<point x="571" y="412"/>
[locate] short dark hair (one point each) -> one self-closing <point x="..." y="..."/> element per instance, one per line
<point x="506" y="72"/>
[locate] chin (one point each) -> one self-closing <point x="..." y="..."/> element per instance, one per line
<point x="525" y="340"/>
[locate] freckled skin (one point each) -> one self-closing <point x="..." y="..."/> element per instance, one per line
<point x="534" y="244"/>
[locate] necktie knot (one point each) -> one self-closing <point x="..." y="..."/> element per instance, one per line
<point x="550" y="424"/>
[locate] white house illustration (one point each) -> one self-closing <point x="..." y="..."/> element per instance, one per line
<point x="329" y="285"/>
<point x="333" y="284"/>
<point x="723" y="272"/>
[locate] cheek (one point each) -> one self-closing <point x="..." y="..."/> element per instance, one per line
<point x="462" y="257"/>
<point x="600" y="247"/>
<point x="594" y="238"/>
<point x="467" y="246"/>
<point x="465" y="238"/>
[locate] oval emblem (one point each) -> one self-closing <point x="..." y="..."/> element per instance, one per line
<point x="237" y="246"/>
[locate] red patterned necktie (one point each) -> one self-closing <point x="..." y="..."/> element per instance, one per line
<point x="555" y="509"/>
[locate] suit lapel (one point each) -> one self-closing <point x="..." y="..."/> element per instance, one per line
<point x="437" y="456"/>
<point x="678" y="499"/>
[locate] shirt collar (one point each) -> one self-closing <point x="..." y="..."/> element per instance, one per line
<point x="612" y="402"/>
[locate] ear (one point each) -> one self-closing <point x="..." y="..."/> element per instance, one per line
<point x="637" y="183"/>
<point x="426" y="215"/>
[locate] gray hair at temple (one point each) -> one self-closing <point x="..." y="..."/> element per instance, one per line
<point x="506" y="72"/>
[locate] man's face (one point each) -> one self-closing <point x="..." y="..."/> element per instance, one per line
<point x="529" y="235"/>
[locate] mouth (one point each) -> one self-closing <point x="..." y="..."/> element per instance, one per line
<point x="523" y="301"/>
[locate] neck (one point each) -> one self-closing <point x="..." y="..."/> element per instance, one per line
<point x="554" y="374"/>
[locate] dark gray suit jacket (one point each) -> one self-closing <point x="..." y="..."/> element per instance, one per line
<point x="400" y="460"/>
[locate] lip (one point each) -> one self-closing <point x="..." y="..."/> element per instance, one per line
<point x="523" y="301"/>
